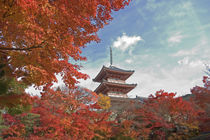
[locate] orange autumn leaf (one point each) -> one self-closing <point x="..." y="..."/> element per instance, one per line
<point x="41" y="38"/>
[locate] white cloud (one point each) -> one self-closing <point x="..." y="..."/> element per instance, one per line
<point x="175" y="38"/>
<point x="152" y="5"/>
<point x="124" y="42"/>
<point x="196" y="63"/>
<point x="89" y="82"/>
<point x="186" y="52"/>
<point x="187" y="5"/>
<point x="195" y="50"/>
<point x="179" y="79"/>
<point x="176" y="13"/>
<point x="184" y="61"/>
<point x="129" y="61"/>
<point x="59" y="82"/>
<point x="191" y="63"/>
<point x="181" y="10"/>
<point x="34" y="91"/>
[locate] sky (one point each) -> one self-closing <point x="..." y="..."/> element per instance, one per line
<point x="167" y="43"/>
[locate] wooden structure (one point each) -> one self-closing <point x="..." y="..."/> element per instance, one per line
<point x="113" y="82"/>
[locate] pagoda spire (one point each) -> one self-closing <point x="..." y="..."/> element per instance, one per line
<point x="110" y="56"/>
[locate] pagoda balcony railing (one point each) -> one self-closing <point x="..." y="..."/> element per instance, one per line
<point x="114" y="94"/>
<point x="115" y="81"/>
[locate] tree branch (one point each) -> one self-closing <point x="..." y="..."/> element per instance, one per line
<point x="22" y="49"/>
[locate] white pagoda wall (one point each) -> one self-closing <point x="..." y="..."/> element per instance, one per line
<point x="115" y="81"/>
<point x="114" y="94"/>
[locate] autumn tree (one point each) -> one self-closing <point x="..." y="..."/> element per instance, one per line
<point x="104" y="101"/>
<point x="41" y="38"/>
<point x="201" y="97"/>
<point x="164" y="116"/>
<point x="59" y="115"/>
<point x="64" y="115"/>
<point x="37" y="37"/>
<point x="13" y="98"/>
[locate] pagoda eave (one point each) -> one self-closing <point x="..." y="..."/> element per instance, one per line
<point x="112" y="72"/>
<point x="104" y="87"/>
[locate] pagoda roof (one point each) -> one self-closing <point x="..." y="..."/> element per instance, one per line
<point x="112" y="70"/>
<point x="105" y="86"/>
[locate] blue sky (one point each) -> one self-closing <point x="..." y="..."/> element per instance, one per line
<point x="166" y="43"/>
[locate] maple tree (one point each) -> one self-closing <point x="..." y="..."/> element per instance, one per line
<point x="202" y="100"/>
<point x="37" y="37"/>
<point x="59" y="115"/>
<point x="41" y="38"/>
<point x="65" y="115"/>
<point x="165" y="116"/>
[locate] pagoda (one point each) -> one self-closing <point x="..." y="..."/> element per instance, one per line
<point x="113" y="81"/>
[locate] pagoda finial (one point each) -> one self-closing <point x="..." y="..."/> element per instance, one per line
<point x="110" y="56"/>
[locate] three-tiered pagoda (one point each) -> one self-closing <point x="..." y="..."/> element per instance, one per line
<point x="112" y="81"/>
<point x="113" y="84"/>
